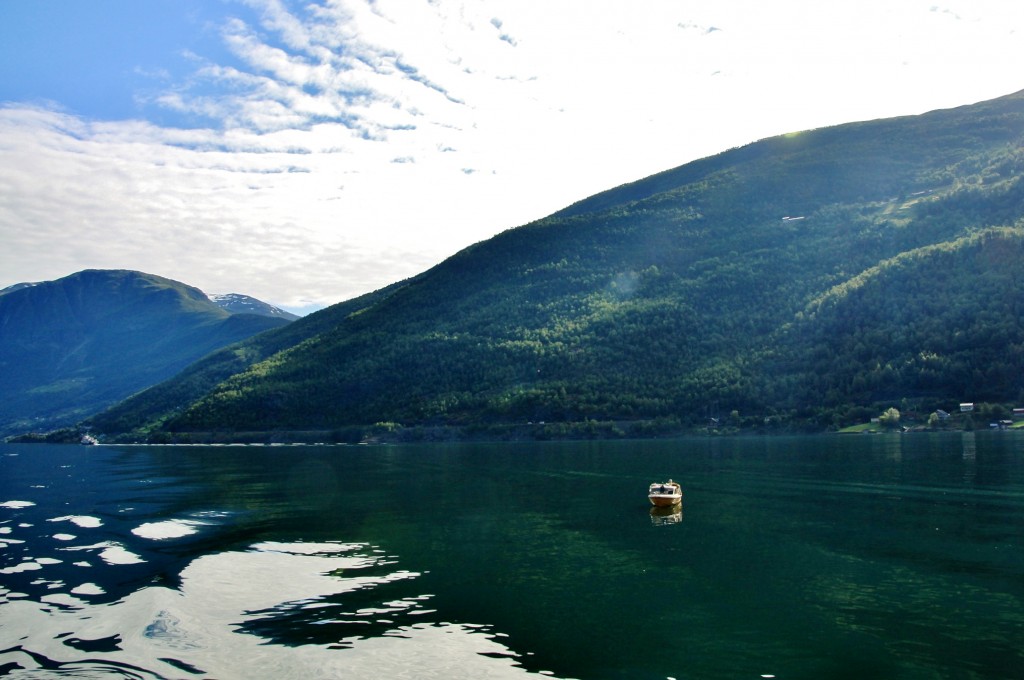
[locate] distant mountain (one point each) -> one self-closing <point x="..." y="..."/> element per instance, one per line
<point x="236" y="303"/>
<point x="806" y="280"/>
<point x="71" y="347"/>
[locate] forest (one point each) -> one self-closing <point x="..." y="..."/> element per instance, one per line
<point x="807" y="281"/>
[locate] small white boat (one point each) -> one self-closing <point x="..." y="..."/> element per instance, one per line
<point x="89" y="440"/>
<point x="664" y="494"/>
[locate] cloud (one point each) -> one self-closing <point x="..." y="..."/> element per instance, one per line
<point x="498" y="23"/>
<point x="702" y="30"/>
<point x="348" y="144"/>
<point x="254" y="202"/>
<point x="170" y="203"/>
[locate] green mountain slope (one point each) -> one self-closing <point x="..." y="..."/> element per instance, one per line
<point x="706" y="289"/>
<point x="151" y="407"/>
<point x="69" y="348"/>
<point x="935" y="323"/>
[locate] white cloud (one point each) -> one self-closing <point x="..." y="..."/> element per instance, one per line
<point x="356" y="143"/>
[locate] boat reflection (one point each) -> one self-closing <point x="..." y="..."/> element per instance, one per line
<point x="667" y="515"/>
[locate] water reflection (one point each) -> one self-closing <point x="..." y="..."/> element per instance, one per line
<point x="969" y="445"/>
<point x="667" y="516"/>
<point x="159" y="563"/>
<point x="283" y="610"/>
<point x="893" y="446"/>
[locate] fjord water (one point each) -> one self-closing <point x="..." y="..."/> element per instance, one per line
<point x="811" y="557"/>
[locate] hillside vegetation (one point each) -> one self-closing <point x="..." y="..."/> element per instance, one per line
<point x="803" y="280"/>
<point x="72" y="347"/>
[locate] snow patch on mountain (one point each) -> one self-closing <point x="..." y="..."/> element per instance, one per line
<point x="236" y="303"/>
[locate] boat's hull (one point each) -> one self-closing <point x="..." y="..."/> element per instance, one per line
<point x="665" y="500"/>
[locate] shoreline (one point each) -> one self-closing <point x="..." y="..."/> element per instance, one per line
<point x="390" y="433"/>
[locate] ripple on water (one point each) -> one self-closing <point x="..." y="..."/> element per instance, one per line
<point x="172" y="528"/>
<point x="16" y="505"/>
<point x="179" y="527"/>
<point x="305" y="589"/>
<point x="87" y="589"/>
<point x="83" y="521"/>
<point x="110" y="552"/>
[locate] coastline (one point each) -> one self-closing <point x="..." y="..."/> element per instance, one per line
<point x="392" y="433"/>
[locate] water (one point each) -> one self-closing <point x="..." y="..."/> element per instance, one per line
<point x="815" y="557"/>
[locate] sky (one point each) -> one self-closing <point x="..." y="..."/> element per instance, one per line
<point x="308" y="151"/>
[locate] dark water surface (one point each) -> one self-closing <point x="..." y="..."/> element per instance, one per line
<point x="813" y="557"/>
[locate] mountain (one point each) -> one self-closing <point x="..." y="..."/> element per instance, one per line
<point x="805" y="280"/>
<point x="236" y="303"/>
<point x="17" y="286"/>
<point x="71" y="347"/>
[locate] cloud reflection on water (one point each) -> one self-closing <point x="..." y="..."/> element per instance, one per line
<point x="302" y="591"/>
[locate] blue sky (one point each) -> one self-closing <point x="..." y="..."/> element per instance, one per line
<point x="308" y="151"/>
<point x="105" y="58"/>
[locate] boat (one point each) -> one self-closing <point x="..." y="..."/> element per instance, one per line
<point x="665" y="494"/>
<point x="89" y="440"/>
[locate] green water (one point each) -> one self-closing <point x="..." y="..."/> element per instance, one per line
<point x="811" y="557"/>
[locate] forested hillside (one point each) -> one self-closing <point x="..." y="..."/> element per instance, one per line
<point x="149" y="409"/>
<point x="74" y="346"/>
<point x="804" y="280"/>
<point x="930" y="324"/>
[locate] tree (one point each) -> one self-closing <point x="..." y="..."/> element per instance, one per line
<point x="890" y="419"/>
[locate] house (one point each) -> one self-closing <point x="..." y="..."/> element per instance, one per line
<point x="1018" y="413"/>
<point x="967" y="407"/>
<point x="942" y="415"/>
